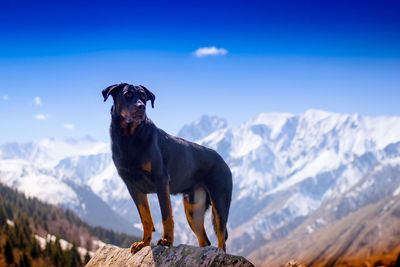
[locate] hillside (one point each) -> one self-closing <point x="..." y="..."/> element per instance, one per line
<point x="337" y="236"/>
<point x="27" y="222"/>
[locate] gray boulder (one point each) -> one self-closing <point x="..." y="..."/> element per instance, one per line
<point x="182" y="255"/>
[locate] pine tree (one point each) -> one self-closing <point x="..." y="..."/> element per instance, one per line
<point x="34" y="249"/>
<point x="25" y="261"/>
<point x="8" y="252"/>
<point x="23" y="232"/>
<point x="3" y="215"/>
<point x="57" y="254"/>
<point x="47" y="248"/>
<point x="73" y="257"/>
<point x="87" y="257"/>
<point x="11" y="233"/>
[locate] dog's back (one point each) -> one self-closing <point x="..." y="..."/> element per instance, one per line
<point x="189" y="163"/>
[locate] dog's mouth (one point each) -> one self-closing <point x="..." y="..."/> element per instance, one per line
<point x="135" y="116"/>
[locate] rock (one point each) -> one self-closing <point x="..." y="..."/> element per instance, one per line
<point x="293" y="263"/>
<point x="182" y="255"/>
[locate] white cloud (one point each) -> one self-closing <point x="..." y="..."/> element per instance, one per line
<point x="210" y="51"/>
<point x="69" y="126"/>
<point x="37" y="100"/>
<point x="5" y="97"/>
<point x="41" y="117"/>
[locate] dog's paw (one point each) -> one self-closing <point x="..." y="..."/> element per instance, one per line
<point x="164" y="242"/>
<point x="136" y="246"/>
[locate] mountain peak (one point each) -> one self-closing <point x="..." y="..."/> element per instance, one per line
<point x="202" y="127"/>
<point x="318" y="114"/>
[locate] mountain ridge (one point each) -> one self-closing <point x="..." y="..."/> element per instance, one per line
<point x="285" y="166"/>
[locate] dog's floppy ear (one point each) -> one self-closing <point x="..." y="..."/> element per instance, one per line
<point x="109" y="90"/>
<point x="149" y="95"/>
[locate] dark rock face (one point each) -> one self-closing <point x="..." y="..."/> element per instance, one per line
<point x="182" y="255"/>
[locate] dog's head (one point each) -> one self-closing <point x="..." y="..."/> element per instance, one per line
<point x="129" y="101"/>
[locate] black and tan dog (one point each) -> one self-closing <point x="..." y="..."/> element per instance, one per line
<point x="151" y="161"/>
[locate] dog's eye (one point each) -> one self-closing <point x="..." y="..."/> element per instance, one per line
<point x="128" y="94"/>
<point x="142" y="96"/>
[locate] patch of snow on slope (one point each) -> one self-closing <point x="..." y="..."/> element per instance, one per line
<point x="202" y="127"/>
<point x="108" y="185"/>
<point x="24" y="177"/>
<point x="244" y="142"/>
<point x="273" y="120"/>
<point x="383" y="130"/>
<point x="350" y="177"/>
<point x="57" y="150"/>
<point x="397" y="191"/>
<point x="214" y="138"/>
<point x="301" y="205"/>
<point x="326" y="161"/>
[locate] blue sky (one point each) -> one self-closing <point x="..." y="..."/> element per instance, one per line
<point x="285" y="56"/>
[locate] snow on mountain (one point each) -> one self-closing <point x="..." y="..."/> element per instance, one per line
<point x="45" y="169"/>
<point x="202" y="127"/>
<point x="49" y="151"/>
<point x="355" y="225"/>
<point x="285" y="167"/>
<point x="36" y="182"/>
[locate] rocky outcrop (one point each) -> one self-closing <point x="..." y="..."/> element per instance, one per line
<point x="293" y="263"/>
<point x="182" y="255"/>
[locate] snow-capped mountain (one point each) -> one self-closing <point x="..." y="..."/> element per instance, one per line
<point x="286" y="166"/>
<point x="202" y="127"/>
<point x="354" y="229"/>
<point x="290" y="172"/>
<point x="43" y="169"/>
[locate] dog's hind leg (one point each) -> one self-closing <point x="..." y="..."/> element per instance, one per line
<point x="219" y="187"/>
<point x="219" y="223"/>
<point x="196" y="204"/>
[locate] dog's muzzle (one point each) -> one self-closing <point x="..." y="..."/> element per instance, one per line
<point x="134" y="115"/>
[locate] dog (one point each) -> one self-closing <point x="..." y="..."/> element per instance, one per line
<point x="151" y="161"/>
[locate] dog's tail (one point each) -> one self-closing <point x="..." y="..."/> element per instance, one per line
<point x="219" y="189"/>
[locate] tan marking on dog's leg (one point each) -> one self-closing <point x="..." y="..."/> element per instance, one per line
<point x="218" y="228"/>
<point x="168" y="220"/>
<point x="147" y="222"/>
<point x="195" y="215"/>
<point x="168" y="233"/>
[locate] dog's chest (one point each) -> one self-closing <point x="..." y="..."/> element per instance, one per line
<point x="132" y="159"/>
<point x="132" y="164"/>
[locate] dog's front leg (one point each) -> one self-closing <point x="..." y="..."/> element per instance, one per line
<point x="164" y="199"/>
<point x="142" y="205"/>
